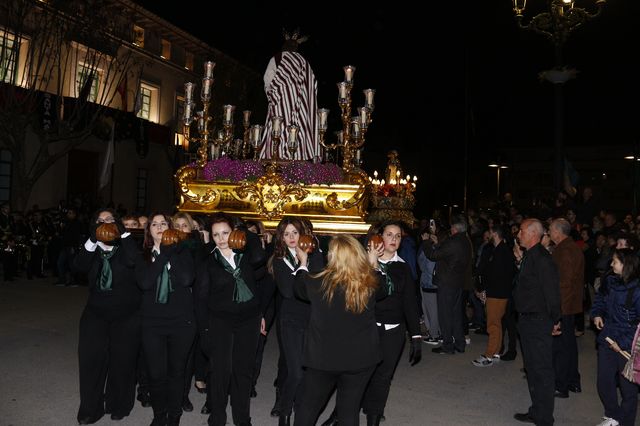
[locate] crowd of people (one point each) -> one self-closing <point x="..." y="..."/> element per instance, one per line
<point x="164" y="312"/>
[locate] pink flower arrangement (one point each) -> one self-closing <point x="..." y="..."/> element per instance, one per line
<point x="293" y="171"/>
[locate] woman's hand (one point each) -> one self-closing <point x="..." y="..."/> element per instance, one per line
<point x="302" y="256"/>
<point x="263" y="327"/>
<point x="597" y="321"/>
<point x="374" y="253"/>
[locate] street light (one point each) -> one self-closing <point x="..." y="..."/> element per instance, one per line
<point x="498" y="167"/>
<point x="556" y="24"/>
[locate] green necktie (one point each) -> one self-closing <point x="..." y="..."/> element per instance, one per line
<point x="106" y="275"/>
<point x="384" y="267"/>
<point x="163" y="284"/>
<point x="292" y="260"/>
<point x="241" y="292"/>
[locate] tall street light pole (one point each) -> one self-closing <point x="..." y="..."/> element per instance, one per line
<point x="556" y="24"/>
<point x="498" y="167"/>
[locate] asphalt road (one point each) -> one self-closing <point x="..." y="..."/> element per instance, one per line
<point x="39" y="374"/>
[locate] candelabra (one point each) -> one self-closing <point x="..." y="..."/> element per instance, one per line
<point x="352" y="136"/>
<point x="396" y="187"/>
<point x="556" y="24"/>
<point x="224" y="136"/>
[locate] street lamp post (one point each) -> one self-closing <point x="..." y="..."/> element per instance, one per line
<point x="498" y="167"/>
<point x="556" y="24"/>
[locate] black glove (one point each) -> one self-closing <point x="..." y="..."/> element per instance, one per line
<point x="415" y="352"/>
<point x="169" y="251"/>
<point x="92" y="232"/>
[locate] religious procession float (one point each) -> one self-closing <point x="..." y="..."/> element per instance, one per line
<point x="288" y="166"/>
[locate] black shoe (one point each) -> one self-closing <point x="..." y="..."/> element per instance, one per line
<point x="508" y="356"/>
<point x="205" y="409"/>
<point x="145" y="399"/>
<point x="88" y="420"/>
<point x="373" y="419"/>
<point x="441" y="351"/>
<point x="559" y="394"/>
<point x="187" y="406"/>
<point x="174" y="420"/>
<point x="332" y="420"/>
<point x="284" y="421"/>
<point x="574" y="388"/>
<point x="524" y="417"/>
<point x="275" y="411"/>
<point x="253" y="392"/>
<point x="117" y="417"/>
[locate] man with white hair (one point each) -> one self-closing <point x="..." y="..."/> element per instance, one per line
<point x="537" y="300"/>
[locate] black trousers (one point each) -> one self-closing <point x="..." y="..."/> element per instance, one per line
<point x="292" y="332"/>
<point x="451" y="327"/>
<point x="610" y="366"/>
<point x="107" y="352"/>
<point x="376" y="394"/>
<point x="233" y="354"/>
<point x="166" y="347"/>
<point x="196" y="367"/>
<point x="565" y="355"/>
<point x="509" y="327"/>
<point x="537" y="346"/>
<point x="317" y="387"/>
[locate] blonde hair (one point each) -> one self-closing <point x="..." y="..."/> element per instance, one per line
<point x="186" y="216"/>
<point x="348" y="269"/>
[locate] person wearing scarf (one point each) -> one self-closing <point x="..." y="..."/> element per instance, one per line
<point x="294" y="313"/>
<point x="166" y="277"/>
<point x="109" y="336"/>
<point x="395" y="315"/>
<point x="229" y="312"/>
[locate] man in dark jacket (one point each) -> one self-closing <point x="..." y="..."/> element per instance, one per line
<point x="453" y="273"/>
<point x="498" y="282"/>
<point x="569" y="260"/>
<point x="537" y="300"/>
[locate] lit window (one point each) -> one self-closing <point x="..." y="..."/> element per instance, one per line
<point x="138" y="36"/>
<point x="147" y="102"/>
<point x="8" y="58"/>
<point x="82" y="78"/>
<point x="166" y="50"/>
<point x="188" y="63"/>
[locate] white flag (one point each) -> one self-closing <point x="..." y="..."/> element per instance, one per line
<point x="105" y="173"/>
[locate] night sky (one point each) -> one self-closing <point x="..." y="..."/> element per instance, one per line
<point x="457" y="63"/>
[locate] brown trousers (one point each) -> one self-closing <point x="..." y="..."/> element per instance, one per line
<point x="495" y="312"/>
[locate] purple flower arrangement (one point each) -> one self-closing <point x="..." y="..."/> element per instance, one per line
<point x="304" y="172"/>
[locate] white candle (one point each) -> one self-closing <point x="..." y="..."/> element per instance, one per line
<point x="276" y="123"/>
<point x="208" y="69"/>
<point x="200" y="117"/>
<point x="246" y="118"/>
<point x="368" y="96"/>
<point x="323" y="115"/>
<point x="206" y="88"/>
<point x="228" y="113"/>
<point x="343" y="90"/>
<point x="375" y="174"/>
<point x="188" y="91"/>
<point x="348" y="73"/>
<point x="293" y="133"/>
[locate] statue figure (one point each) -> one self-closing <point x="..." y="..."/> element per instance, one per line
<point x="393" y="167"/>
<point x="291" y="90"/>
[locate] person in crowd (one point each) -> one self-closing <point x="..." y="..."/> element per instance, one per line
<point x="616" y="313"/>
<point x="110" y="324"/>
<point x="71" y="236"/>
<point x="294" y="313"/>
<point x="130" y="222"/>
<point x="497" y="279"/>
<point x="196" y="365"/>
<point x="142" y="221"/>
<point x="537" y="300"/>
<point x="229" y="314"/>
<point x="429" y="289"/>
<point x="267" y="295"/>
<point x="569" y="261"/>
<point x="343" y="346"/>
<point x="168" y="319"/>
<point x="453" y="273"/>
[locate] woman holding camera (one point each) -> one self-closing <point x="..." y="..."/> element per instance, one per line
<point x="168" y="318"/>
<point x="229" y="313"/>
<point x="110" y="324"/>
